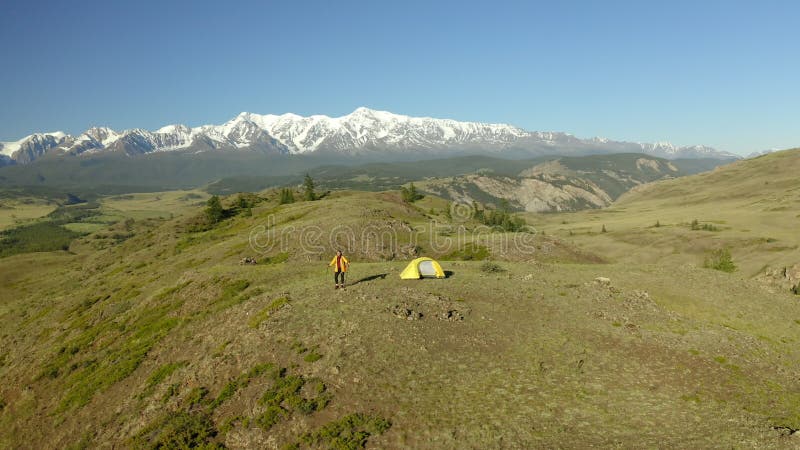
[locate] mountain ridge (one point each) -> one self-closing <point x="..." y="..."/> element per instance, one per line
<point x="364" y="131"/>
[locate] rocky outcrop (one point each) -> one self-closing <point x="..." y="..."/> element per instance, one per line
<point x="782" y="279"/>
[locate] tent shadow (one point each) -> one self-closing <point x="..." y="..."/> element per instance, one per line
<point x="448" y="273"/>
<point x="369" y="278"/>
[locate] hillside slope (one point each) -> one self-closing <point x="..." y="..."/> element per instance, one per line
<point x="165" y="336"/>
<point x="751" y="207"/>
<point x="557" y="184"/>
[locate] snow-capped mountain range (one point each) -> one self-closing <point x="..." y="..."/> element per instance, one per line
<point x="360" y="132"/>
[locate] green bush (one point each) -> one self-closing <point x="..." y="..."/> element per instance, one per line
<point x="214" y="212"/>
<point x="720" y="259"/>
<point x="410" y="194"/>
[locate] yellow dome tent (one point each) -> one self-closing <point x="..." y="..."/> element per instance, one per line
<point x="422" y="267"/>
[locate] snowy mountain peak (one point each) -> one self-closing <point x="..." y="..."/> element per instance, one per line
<point x="363" y="131"/>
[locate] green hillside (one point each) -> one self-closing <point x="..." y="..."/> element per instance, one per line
<point x="751" y="207"/>
<point x="150" y="332"/>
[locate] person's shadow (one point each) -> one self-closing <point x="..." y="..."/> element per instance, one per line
<point x="370" y="278"/>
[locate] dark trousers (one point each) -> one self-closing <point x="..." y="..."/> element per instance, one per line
<point x="336" y="276"/>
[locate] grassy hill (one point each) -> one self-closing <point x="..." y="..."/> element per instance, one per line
<point x="162" y="337"/>
<point x="751" y="207"/>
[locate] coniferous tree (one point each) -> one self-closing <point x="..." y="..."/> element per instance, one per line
<point x="287" y="196"/>
<point x="308" y="185"/>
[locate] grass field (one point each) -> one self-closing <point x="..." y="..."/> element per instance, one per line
<point x="151" y="332"/>
<point x="14" y="212"/>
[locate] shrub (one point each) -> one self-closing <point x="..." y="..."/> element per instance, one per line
<point x="491" y="267"/>
<point x="410" y="194"/>
<point x="696" y="225"/>
<point x="720" y="259"/>
<point x="214" y="212"/>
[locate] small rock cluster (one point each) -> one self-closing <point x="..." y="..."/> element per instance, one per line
<point x="401" y="312"/>
<point x="418" y="306"/>
<point x="248" y="260"/>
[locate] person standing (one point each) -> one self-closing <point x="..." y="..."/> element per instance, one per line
<point x="340" y="265"/>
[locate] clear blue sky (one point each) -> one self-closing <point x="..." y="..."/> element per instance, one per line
<point x="720" y="73"/>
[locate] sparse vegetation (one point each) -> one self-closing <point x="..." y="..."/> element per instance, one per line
<point x="105" y="334"/>
<point x="160" y="375"/>
<point x="181" y="430"/>
<point x="351" y="432"/>
<point x="500" y="218"/>
<point x="287" y="396"/>
<point x="265" y="313"/>
<point x="720" y="259"/>
<point x="312" y="356"/>
<point x="696" y="225"/>
<point x="241" y="382"/>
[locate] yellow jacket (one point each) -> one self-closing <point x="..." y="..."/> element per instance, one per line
<point x="342" y="266"/>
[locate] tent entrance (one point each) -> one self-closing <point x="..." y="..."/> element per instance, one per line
<point x="426" y="269"/>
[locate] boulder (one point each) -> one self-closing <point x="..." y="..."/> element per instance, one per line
<point x="603" y="281"/>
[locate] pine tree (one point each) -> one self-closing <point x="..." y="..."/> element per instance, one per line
<point x="308" y="185"/>
<point x="287" y="196"/>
